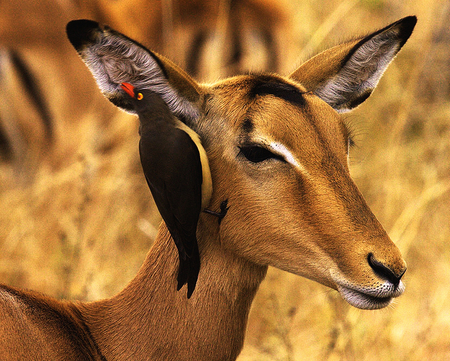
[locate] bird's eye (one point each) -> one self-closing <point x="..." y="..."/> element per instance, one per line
<point x="139" y="96"/>
<point x="257" y="154"/>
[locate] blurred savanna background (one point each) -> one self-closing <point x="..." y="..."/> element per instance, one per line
<point x="76" y="217"/>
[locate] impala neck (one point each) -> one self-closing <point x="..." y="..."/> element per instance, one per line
<point x="149" y="319"/>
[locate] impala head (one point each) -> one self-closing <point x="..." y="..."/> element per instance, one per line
<point x="278" y="151"/>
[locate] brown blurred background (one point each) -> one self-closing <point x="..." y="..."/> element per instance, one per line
<point x="76" y="217"/>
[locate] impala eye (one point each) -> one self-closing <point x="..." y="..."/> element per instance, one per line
<point x="257" y="154"/>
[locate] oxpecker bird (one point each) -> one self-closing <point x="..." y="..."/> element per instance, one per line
<point x="172" y="158"/>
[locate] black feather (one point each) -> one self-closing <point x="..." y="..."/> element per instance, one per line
<point x="171" y="163"/>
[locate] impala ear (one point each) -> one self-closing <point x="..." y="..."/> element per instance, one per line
<point x="114" y="58"/>
<point x="345" y="75"/>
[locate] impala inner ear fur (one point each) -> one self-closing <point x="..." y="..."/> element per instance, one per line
<point x="114" y="59"/>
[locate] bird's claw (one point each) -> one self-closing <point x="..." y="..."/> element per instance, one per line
<point x="223" y="210"/>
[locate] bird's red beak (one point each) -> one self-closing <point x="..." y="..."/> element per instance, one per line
<point x="128" y="88"/>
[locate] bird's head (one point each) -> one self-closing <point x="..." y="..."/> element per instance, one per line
<point x="132" y="91"/>
<point x="144" y="100"/>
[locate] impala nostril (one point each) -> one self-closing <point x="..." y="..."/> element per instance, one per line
<point x="384" y="271"/>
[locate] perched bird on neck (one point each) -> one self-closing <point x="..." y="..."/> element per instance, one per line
<point x="177" y="172"/>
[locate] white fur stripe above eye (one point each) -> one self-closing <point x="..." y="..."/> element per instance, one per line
<point x="287" y="155"/>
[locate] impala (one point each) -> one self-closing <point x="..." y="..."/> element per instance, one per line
<point x="37" y="122"/>
<point x="277" y="151"/>
<point x="207" y="37"/>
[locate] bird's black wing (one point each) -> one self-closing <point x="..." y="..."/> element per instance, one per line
<point x="172" y="167"/>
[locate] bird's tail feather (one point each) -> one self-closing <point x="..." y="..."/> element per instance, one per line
<point x="188" y="272"/>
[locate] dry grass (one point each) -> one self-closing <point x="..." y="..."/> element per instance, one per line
<point x="81" y="230"/>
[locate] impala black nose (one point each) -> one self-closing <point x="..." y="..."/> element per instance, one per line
<point x="385" y="272"/>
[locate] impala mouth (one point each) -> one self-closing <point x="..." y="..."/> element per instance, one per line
<point x="368" y="298"/>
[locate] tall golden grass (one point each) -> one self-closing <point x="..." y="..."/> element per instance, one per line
<point x="81" y="229"/>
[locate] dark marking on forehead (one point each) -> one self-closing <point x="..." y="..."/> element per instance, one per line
<point x="248" y="126"/>
<point x="276" y="87"/>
